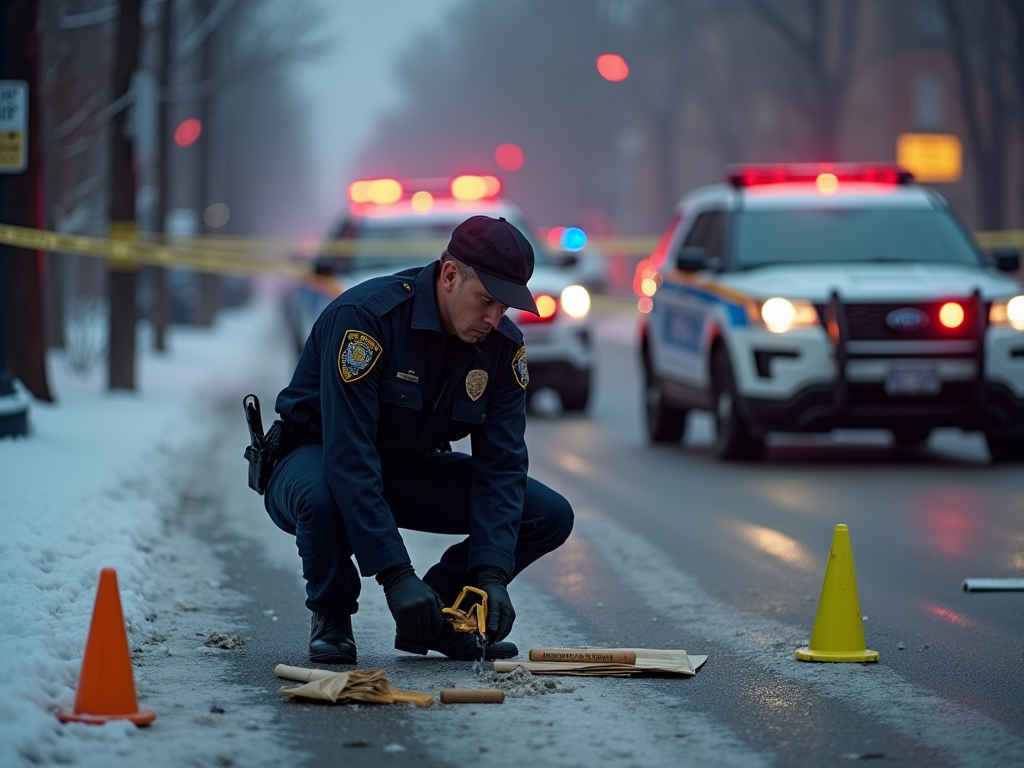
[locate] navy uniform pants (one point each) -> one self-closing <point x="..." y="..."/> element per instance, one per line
<point x="431" y="495"/>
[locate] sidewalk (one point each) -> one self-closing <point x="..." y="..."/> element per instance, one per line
<point x="90" y="487"/>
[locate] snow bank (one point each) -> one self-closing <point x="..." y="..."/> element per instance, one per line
<point x="86" y="490"/>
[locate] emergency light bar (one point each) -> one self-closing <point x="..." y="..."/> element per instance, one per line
<point x="422" y="192"/>
<point x="759" y="175"/>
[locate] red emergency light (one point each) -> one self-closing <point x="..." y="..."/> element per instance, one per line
<point x="466" y="187"/>
<point x="759" y="175"/>
<point x="547" y="308"/>
<point x="951" y="315"/>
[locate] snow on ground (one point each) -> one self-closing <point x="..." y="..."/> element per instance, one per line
<point x="87" y="489"/>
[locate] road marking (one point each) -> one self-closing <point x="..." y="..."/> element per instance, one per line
<point x="969" y="737"/>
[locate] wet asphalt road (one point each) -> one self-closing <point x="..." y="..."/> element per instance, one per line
<point x="754" y="538"/>
<point x="757" y="535"/>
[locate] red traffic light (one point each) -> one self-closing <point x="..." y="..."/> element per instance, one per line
<point x="509" y="157"/>
<point x="612" y="67"/>
<point x="187" y="132"/>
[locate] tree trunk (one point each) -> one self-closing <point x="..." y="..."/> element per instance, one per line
<point x="980" y="95"/>
<point x="210" y="285"/>
<point x="122" y="281"/>
<point x="23" y="193"/>
<point x="161" y="298"/>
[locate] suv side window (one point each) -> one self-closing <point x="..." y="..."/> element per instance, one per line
<point x="709" y="232"/>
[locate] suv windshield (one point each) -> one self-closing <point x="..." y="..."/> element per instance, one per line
<point x="367" y="255"/>
<point x="850" y="235"/>
<point x="371" y="257"/>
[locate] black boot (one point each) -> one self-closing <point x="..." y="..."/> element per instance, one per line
<point x="330" y="639"/>
<point x="455" y="645"/>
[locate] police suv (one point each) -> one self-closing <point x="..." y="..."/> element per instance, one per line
<point x="395" y="224"/>
<point x="806" y="298"/>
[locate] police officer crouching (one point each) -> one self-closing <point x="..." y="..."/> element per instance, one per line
<point x="393" y="371"/>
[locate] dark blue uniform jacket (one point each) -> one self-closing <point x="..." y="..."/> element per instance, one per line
<point x="378" y="375"/>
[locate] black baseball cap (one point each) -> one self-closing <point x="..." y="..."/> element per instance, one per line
<point x="501" y="256"/>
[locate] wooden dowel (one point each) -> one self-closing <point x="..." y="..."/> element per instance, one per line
<point x="472" y="696"/>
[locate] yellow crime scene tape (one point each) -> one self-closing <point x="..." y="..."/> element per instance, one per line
<point x="1011" y="238"/>
<point x="127" y="254"/>
<point x="233" y="255"/>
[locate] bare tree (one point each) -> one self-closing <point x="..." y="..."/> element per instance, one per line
<point x="122" y="281"/>
<point x="20" y="194"/>
<point x="1015" y="15"/>
<point x="822" y="36"/>
<point x="218" y="52"/>
<point x="77" y="49"/>
<point x="980" y="49"/>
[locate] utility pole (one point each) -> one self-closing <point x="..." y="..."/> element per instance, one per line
<point x="122" y="280"/>
<point x="161" y="299"/>
<point x="210" y="285"/>
<point x="22" y="343"/>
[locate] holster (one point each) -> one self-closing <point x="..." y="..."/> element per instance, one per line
<point x="267" y="450"/>
<point x="258" y="453"/>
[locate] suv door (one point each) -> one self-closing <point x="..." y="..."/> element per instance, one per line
<point x="682" y="313"/>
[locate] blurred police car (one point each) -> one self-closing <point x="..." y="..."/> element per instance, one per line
<point x="801" y="299"/>
<point x="395" y="224"/>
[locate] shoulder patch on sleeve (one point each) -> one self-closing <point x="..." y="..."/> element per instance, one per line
<point x="359" y="351"/>
<point x="519" y="367"/>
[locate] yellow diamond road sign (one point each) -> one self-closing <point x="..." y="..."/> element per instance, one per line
<point x="13" y="126"/>
<point x="935" y="158"/>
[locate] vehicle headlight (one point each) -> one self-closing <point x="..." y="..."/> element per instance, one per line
<point x="576" y="301"/>
<point x="1008" y="312"/>
<point x="781" y="315"/>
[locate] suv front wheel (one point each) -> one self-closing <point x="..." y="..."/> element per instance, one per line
<point x="576" y="395"/>
<point x="734" y="441"/>
<point x="666" y="422"/>
<point x="1005" y="448"/>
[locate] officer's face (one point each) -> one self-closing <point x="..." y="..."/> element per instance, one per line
<point x="467" y="309"/>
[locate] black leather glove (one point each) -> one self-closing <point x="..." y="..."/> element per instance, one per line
<point x="415" y="606"/>
<point x="500" y="613"/>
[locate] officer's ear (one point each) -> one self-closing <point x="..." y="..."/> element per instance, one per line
<point x="449" y="275"/>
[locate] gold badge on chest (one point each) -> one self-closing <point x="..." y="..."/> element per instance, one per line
<point x="476" y="383"/>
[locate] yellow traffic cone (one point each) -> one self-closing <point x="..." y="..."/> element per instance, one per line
<point x="838" y="633"/>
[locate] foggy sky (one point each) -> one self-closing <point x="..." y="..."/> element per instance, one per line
<point x="349" y="89"/>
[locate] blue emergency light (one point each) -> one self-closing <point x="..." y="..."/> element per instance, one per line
<point x="573" y="239"/>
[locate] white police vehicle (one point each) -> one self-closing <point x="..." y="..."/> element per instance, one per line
<point x="395" y="224"/>
<point x="803" y="298"/>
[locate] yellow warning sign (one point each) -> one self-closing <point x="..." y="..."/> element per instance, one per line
<point x="935" y="158"/>
<point x="12" y="150"/>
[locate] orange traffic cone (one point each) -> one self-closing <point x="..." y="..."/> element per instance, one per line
<point x="838" y="633"/>
<point x="106" y="686"/>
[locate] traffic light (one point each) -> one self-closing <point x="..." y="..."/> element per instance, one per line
<point x="187" y="132"/>
<point x="612" y="67"/>
<point x="509" y="157"/>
